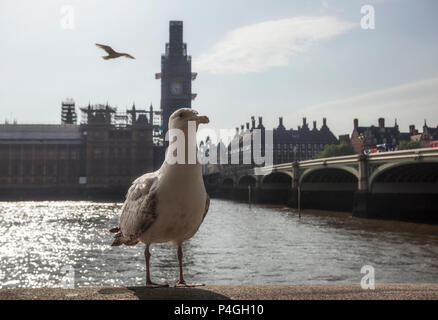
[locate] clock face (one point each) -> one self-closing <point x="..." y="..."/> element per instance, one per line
<point x="176" y="88"/>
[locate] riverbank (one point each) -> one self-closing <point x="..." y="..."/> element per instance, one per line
<point x="410" y="291"/>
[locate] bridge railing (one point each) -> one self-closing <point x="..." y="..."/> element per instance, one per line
<point x="412" y="153"/>
<point x="382" y="156"/>
<point x="314" y="162"/>
<point x="332" y="160"/>
<point x="404" y="154"/>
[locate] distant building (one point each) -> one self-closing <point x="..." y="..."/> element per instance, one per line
<point x="288" y="144"/>
<point x="427" y="138"/>
<point x="40" y="156"/>
<point x="380" y="135"/>
<point x="118" y="147"/>
<point x="304" y="142"/>
<point x="102" y="154"/>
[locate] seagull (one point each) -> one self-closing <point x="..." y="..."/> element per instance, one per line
<point x="168" y="205"/>
<point x="113" y="54"/>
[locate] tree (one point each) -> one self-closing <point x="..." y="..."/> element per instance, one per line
<point x="336" y="150"/>
<point x="405" y="145"/>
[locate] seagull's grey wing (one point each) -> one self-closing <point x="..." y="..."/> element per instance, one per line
<point x="138" y="211"/>
<point x="207" y="206"/>
<point x="108" y="49"/>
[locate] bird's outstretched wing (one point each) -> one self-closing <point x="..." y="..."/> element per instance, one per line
<point x="128" y="56"/>
<point x="108" y="49"/>
<point x="138" y="211"/>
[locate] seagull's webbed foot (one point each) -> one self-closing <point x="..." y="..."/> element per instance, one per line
<point x="156" y="285"/>
<point x="183" y="284"/>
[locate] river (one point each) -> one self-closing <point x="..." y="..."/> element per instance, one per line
<point x="237" y="244"/>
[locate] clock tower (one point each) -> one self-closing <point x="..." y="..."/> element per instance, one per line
<point x="176" y="75"/>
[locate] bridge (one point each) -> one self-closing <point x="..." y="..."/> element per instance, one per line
<point x="395" y="185"/>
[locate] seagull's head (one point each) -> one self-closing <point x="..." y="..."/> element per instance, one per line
<point x="181" y="117"/>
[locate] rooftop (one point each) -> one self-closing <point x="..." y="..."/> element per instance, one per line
<point x="67" y="133"/>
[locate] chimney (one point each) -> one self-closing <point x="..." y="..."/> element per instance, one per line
<point x="242" y="127"/>
<point x="253" y="122"/>
<point x="381" y="123"/>
<point x="247" y="126"/>
<point x="260" y="121"/>
<point x="356" y="123"/>
<point x="324" y="122"/>
<point x="412" y="129"/>
<point x="280" y="120"/>
<point x="237" y="130"/>
<point x="304" y="122"/>
<point x="314" y="125"/>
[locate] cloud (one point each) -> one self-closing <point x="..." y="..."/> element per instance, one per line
<point x="410" y="103"/>
<point x="261" y="46"/>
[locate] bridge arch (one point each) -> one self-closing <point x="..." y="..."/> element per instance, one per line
<point x="343" y="173"/>
<point x="277" y="178"/>
<point x="410" y="176"/>
<point x="275" y="188"/>
<point x="328" y="188"/>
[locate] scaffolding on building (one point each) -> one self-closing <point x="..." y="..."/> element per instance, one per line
<point x="68" y="112"/>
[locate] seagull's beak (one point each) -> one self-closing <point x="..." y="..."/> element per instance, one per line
<point x="202" y="119"/>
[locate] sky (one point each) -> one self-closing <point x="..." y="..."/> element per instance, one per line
<point x="295" y="59"/>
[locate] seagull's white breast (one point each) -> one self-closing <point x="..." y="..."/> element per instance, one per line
<point x="181" y="199"/>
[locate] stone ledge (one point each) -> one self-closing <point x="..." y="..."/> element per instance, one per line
<point x="411" y="291"/>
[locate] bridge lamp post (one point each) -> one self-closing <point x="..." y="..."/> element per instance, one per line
<point x="295" y="165"/>
<point x="362" y="143"/>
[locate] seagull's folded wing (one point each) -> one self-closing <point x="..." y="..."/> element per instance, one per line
<point x="139" y="209"/>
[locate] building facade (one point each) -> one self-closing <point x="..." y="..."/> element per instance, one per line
<point x="102" y="155"/>
<point x="118" y="147"/>
<point x="428" y="138"/>
<point x="40" y="156"/>
<point x="373" y="136"/>
<point x="289" y="145"/>
<point x="301" y="144"/>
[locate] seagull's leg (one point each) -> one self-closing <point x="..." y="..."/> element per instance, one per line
<point x="149" y="283"/>
<point x="181" y="282"/>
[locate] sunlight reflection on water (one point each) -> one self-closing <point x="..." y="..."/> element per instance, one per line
<point x="235" y="245"/>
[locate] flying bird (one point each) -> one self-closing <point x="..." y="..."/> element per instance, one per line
<point x="113" y="54"/>
<point x="168" y="205"/>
